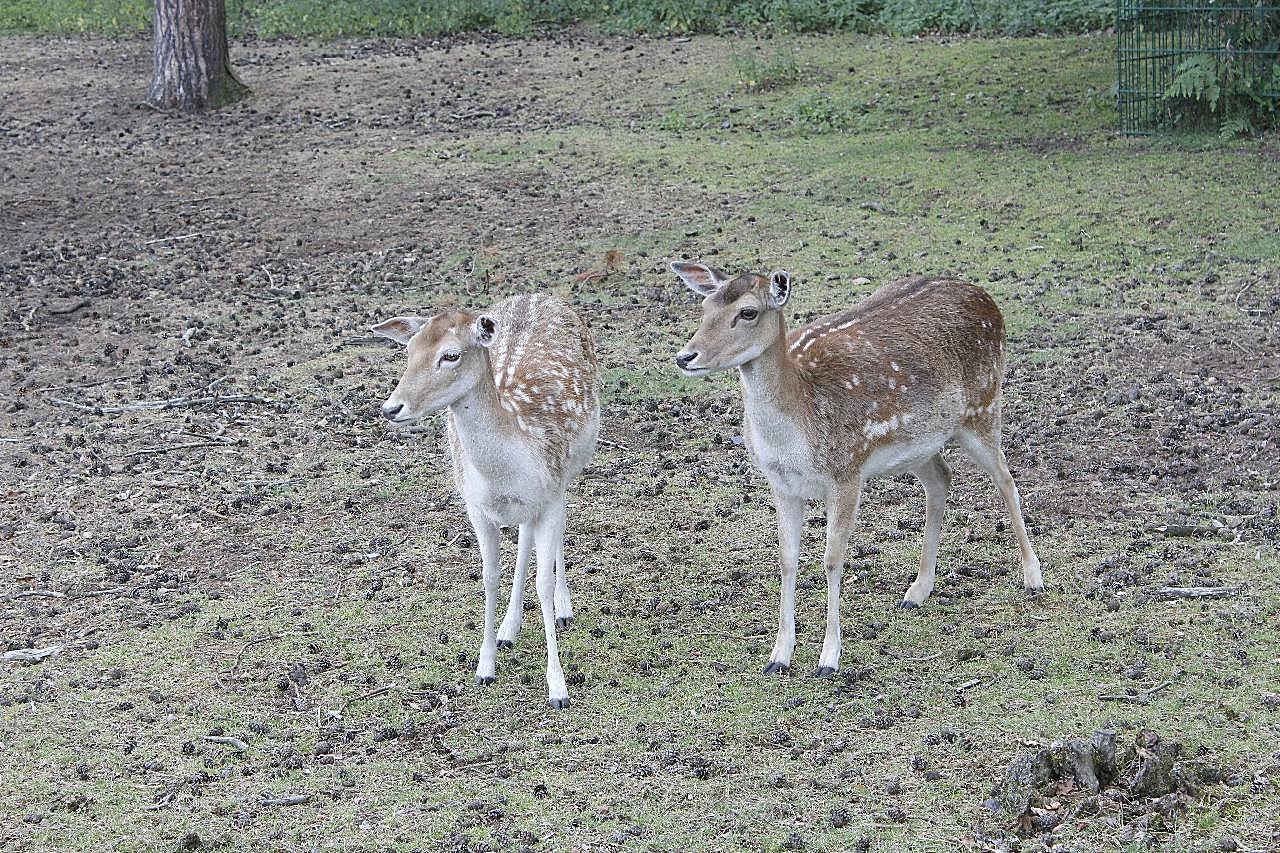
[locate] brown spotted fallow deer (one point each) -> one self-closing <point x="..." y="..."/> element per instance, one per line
<point x="876" y="389"/>
<point x="520" y="383"/>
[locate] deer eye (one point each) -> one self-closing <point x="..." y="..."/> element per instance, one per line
<point x="748" y="313"/>
<point x="450" y="356"/>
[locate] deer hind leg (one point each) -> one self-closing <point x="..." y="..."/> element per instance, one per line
<point x="488" y="538"/>
<point x="842" y="510"/>
<point x="564" y="607"/>
<point x="983" y="445"/>
<point x="548" y="540"/>
<point x="790" y="518"/>
<point x="935" y="476"/>
<point x="515" y="608"/>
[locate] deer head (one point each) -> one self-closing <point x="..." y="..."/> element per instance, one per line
<point x="741" y="317"/>
<point x="447" y="358"/>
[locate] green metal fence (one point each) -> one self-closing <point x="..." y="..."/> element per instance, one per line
<point x="1178" y="62"/>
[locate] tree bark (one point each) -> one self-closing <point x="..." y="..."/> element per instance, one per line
<point x="192" y="72"/>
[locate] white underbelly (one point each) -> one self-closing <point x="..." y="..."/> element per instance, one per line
<point x="905" y="455"/>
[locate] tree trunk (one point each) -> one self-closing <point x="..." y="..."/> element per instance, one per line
<point x="192" y="73"/>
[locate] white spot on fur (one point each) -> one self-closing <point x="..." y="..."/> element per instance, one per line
<point x="875" y="429"/>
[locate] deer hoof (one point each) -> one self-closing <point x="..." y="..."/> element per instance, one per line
<point x="559" y="704"/>
<point x="774" y="667"/>
<point x="824" y="672"/>
<point x="1033" y="591"/>
<point x="505" y="644"/>
<point x="564" y="622"/>
<point x="908" y="604"/>
<point x="483" y="680"/>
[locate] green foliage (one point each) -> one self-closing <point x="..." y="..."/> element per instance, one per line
<point x="674" y="121"/>
<point x="74" y="16"/>
<point x="1013" y="17"/>
<point x="274" y="18"/>
<point x="761" y="72"/>
<point x="337" y="18"/>
<point x="689" y="16"/>
<point x="820" y="112"/>
<point x="1211" y="91"/>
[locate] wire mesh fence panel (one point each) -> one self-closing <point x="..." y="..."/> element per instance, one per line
<point x="1197" y="64"/>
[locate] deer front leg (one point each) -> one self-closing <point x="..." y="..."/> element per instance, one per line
<point x="515" y="608"/>
<point x="790" y="518"/>
<point x="548" y="540"/>
<point x="842" y="510"/>
<point x="487" y="537"/>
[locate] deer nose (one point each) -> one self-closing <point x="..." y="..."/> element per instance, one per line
<point x="684" y="359"/>
<point x="390" y="410"/>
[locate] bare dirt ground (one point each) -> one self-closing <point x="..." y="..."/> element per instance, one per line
<point x="203" y="510"/>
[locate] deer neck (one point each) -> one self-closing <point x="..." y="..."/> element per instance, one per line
<point x="770" y="382"/>
<point x="479" y="421"/>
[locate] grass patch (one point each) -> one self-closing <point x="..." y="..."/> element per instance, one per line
<point x="418" y="18"/>
<point x="820" y="112"/>
<point x="759" y="70"/>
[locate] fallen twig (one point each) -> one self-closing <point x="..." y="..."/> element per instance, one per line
<point x="30" y="655"/>
<point x="92" y="592"/>
<point x="1241" y="292"/>
<point x="264" y="639"/>
<point x="160" y="405"/>
<point x="71" y="309"/>
<point x="924" y="659"/>
<point x="169" y="448"/>
<point x="1142" y="697"/>
<point x="1187" y="529"/>
<point x="233" y="742"/>
<point x="366" y="340"/>
<point x="371" y="694"/>
<point x="1167" y="593"/>
<point x="170" y="239"/>
<point x="165" y="798"/>
<point x="288" y="800"/>
<point x="36" y="593"/>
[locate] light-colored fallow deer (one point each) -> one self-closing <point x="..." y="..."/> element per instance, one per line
<point x="877" y="389"/>
<point x="521" y="386"/>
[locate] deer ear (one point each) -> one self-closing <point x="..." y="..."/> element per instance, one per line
<point x="400" y="329"/>
<point x="485" y="328"/>
<point x="701" y="279"/>
<point x="780" y="287"/>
